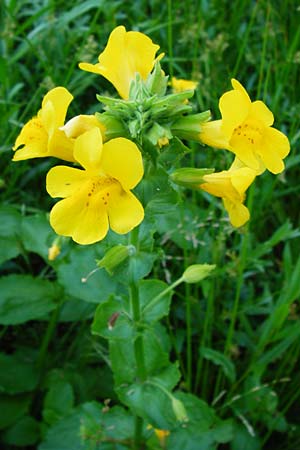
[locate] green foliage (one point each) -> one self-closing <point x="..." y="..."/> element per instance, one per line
<point x="227" y="348"/>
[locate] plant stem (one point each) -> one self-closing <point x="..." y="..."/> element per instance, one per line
<point x="139" y="351"/>
<point x="47" y="337"/>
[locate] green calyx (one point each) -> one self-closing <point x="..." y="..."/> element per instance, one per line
<point x="149" y="113"/>
<point x="190" y="177"/>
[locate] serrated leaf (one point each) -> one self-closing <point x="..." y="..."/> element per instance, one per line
<point x="17" y="376"/>
<point x="111" y="321"/>
<point x="12" y="407"/>
<point x="122" y="355"/>
<point x="36" y="234"/>
<point x="81" y="263"/>
<point x="220" y="359"/>
<point x="24" y="298"/>
<point x="59" y="401"/>
<point x="24" y="432"/>
<point x="10" y="245"/>
<point x="148" y="290"/>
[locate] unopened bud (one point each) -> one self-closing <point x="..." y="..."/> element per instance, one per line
<point x="189" y="127"/>
<point x="179" y="410"/>
<point x="190" y="177"/>
<point x="115" y="256"/>
<point x="197" y="272"/>
<point x="53" y="251"/>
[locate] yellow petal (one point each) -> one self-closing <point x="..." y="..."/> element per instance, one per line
<point x="234" y="107"/>
<point x="242" y="178"/>
<point x="122" y="160"/>
<point x="80" y="124"/>
<point x="88" y="150"/>
<point x="85" y="222"/>
<point x="259" y="111"/>
<point x="219" y="184"/>
<point x="274" y="148"/>
<point x="125" y="212"/>
<point x="239" y="87"/>
<point x="126" y="54"/>
<point x="238" y="213"/>
<point x="246" y="152"/>
<point x="212" y="135"/>
<point x="35" y="140"/>
<point x="63" y="181"/>
<point x="60" y="99"/>
<point x="60" y="146"/>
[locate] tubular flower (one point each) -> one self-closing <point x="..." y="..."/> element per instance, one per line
<point x="98" y="196"/>
<point x="42" y="136"/>
<point x="126" y="54"/>
<point x="231" y="186"/>
<point x="245" y="129"/>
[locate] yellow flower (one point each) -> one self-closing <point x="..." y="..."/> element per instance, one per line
<point x="126" y="54"/>
<point x="180" y="85"/>
<point x="98" y="196"/>
<point x="245" y="129"/>
<point x="42" y="136"/>
<point x="162" y="436"/>
<point x="231" y="186"/>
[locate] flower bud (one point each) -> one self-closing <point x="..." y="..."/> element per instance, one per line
<point x="179" y="410"/>
<point x="53" y="251"/>
<point x="197" y="272"/>
<point x="115" y="256"/>
<point x="189" y="177"/>
<point x="189" y="127"/>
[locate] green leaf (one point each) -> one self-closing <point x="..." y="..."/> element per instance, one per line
<point x="75" y="310"/>
<point x="220" y="359"/>
<point x="17" y="376"/>
<point x="10" y="245"/>
<point x="90" y="427"/>
<point x="150" y="402"/>
<point x="242" y="439"/>
<point x="123" y="361"/>
<point x="111" y="320"/>
<point x="203" y="429"/>
<point x="81" y="263"/>
<point x="37" y="235"/>
<point x="148" y="290"/>
<point x="24" y="298"/>
<point x="59" y="401"/>
<point x="12" y="407"/>
<point x="25" y="432"/>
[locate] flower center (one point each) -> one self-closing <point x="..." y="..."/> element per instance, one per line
<point x="100" y="188"/>
<point x="248" y="133"/>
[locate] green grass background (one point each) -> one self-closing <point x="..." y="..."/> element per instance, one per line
<point x="251" y="310"/>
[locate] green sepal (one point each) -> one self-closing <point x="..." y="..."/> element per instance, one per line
<point x="189" y="176"/>
<point x="157" y="81"/>
<point x="189" y="127"/>
<point x="115" y="256"/>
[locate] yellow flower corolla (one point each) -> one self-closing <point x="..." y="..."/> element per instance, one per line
<point x="99" y="196"/>
<point x="126" y="54"/>
<point x="42" y="136"/>
<point x="181" y="85"/>
<point x="231" y="186"/>
<point x="246" y="130"/>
